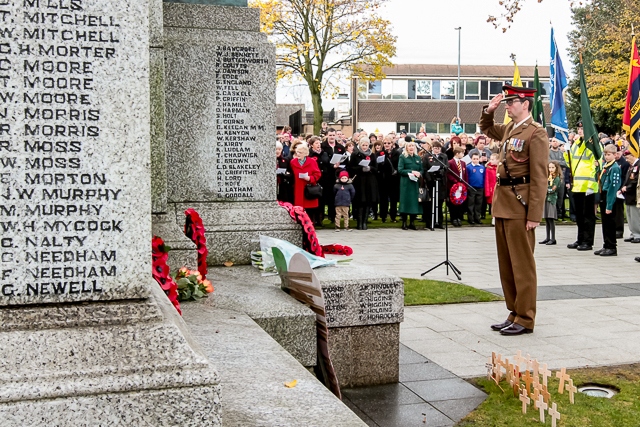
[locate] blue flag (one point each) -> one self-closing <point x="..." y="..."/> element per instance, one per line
<point x="558" y="80"/>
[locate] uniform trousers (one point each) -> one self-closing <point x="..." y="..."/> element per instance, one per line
<point x="633" y="219"/>
<point x="585" y="217"/>
<point x="608" y="223"/>
<point x="619" y="216"/>
<point x="517" y="269"/>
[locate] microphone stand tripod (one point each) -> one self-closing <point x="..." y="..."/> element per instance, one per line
<point x="447" y="262"/>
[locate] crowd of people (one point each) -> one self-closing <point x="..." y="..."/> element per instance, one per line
<point x="410" y="178"/>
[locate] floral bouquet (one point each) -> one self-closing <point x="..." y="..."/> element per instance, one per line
<point x="191" y="286"/>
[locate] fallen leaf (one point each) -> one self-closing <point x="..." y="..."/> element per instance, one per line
<point x="228" y="264"/>
<point x="291" y="384"/>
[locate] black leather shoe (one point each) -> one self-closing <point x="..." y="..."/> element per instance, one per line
<point x="609" y="252"/>
<point x="573" y="245"/>
<point x="545" y="241"/>
<point x="584" y="247"/>
<point x="412" y="227"/>
<point x="628" y="239"/>
<point x="636" y="240"/>
<point x="637" y="259"/>
<point x="515" y="329"/>
<point x="499" y="326"/>
<point x="551" y="242"/>
<point x="440" y="226"/>
<point x="598" y="252"/>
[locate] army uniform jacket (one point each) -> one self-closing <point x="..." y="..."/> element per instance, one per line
<point x="525" y="150"/>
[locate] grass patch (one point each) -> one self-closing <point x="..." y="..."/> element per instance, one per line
<point x="504" y="410"/>
<point x="424" y="292"/>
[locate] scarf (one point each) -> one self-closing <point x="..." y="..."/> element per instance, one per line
<point x="301" y="161"/>
<point x="605" y="168"/>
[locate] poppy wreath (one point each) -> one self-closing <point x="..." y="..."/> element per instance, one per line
<point x="337" y="250"/>
<point x="458" y="200"/>
<point x="160" y="271"/>
<point x="194" y="230"/>
<point x="309" y="238"/>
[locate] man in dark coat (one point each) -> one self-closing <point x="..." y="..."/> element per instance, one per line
<point x="435" y="181"/>
<point x="330" y="173"/>
<point x="364" y="181"/>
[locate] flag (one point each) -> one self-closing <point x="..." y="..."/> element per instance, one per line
<point x="631" y="115"/>
<point x="517" y="82"/>
<point x="558" y="80"/>
<point x="591" y="140"/>
<point x="538" y="110"/>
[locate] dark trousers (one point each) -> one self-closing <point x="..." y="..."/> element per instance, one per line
<point x="585" y="217"/>
<point x="608" y="223"/>
<point x="560" y="203"/>
<point x="572" y="207"/>
<point x="383" y="194"/>
<point x="619" y="210"/>
<point x="475" y="196"/>
<point x="456" y="211"/>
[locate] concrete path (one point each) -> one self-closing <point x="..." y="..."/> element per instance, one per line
<point x="598" y="324"/>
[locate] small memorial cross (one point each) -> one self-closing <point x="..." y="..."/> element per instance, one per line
<point x="536" y="367"/>
<point x="489" y="367"/>
<point x="571" y="389"/>
<point x="542" y="406"/>
<point x="535" y="395"/>
<point x="518" y="359"/>
<point x="545" y="372"/>
<point x="524" y="398"/>
<point x="545" y="393"/>
<point x="527" y="380"/>
<point x="497" y="373"/>
<point x="562" y="376"/>
<point x="554" y="414"/>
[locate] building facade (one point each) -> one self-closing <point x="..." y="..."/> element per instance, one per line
<point x="423" y="95"/>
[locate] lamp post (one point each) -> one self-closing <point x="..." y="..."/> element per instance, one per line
<point x="459" y="30"/>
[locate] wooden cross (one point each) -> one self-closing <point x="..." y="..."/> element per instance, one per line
<point x="554" y="414"/>
<point x="545" y="372"/>
<point x="498" y="359"/>
<point x="489" y="367"/>
<point x="536" y="381"/>
<point x="571" y="389"/>
<point x="527" y="380"/>
<point x="524" y="398"/>
<point x="497" y="373"/>
<point x="518" y="359"/>
<point x="509" y="371"/>
<point x="542" y="406"/>
<point x="536" y="366"/>
<point x="528" y="362"/>
<point x="516" y="372"/>
<point x="562" y="376"/>
<point x="535" y="395"/>
<point x="545" y="393"/>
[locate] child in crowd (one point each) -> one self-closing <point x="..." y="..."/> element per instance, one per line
<point x="490" y="179"/>
<point x="475" y="172"/>
<point x="459" y="168"/>
<point x="344" y="193"/>
<point x="550" y="213"/>
<point x="609" y="183"/>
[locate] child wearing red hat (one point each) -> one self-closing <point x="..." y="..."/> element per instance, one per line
<point x="344" y="193"/>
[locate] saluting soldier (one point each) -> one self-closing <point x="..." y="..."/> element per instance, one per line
<point x="518" y="202"/>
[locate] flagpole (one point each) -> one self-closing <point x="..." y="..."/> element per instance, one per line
<point x="459" y="30"/>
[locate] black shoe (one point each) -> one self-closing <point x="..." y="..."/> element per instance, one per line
<point x="384" y="220"/>
<point x="440" y="226"/>
<point x="515" y="329"/>
<point x="499" y="326"/>
<point x="573" y="245"/>
<point x="478" y="221"/>
<point x="619" y="235"/>
<point x="637" y="259"/>
<point x="412" y="227"/>
<point x="628" y="239"/>
<point x="609" y="252"/>
<point x="545" y="241"/>
<point x="584" y="247"/>
<point x="551" y="242"/>
<point x="636" y="240"/>
<point x="404" y="225"/>
<point x="598" y="252"/>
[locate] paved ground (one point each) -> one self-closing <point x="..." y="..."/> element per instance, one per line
<point x="589" y="313"/>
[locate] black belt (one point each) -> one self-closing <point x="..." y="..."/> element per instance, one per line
<point x="514" y="181"/>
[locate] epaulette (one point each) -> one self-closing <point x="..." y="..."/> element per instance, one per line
<point x="536" y="124"/>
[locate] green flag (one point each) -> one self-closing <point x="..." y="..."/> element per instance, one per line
<point x="538" y="110"/>
<point x="590" y="133"/>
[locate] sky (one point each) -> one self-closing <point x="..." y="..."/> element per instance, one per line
<point x="426" y="35"/>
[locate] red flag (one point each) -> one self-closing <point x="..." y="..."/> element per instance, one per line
<point x="631" y="115"/>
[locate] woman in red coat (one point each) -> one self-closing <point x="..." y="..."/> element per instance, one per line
<point x="303" y="164"/>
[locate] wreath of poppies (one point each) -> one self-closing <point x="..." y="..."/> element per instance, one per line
<point x="160" y="269"/>
<point x="337" y="250"/>
<point x="194" y="230"/>
<point x="309" y="238"/>
<point x="458" y="200"/>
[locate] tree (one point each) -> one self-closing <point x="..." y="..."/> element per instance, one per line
<point x="317" y="39"/>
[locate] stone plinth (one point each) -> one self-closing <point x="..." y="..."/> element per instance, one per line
<point x="220" y="103"/>
<point x="88" y="338"/>
<point x="364" y="309"/>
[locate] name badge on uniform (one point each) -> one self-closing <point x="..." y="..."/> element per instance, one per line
<point x="517" y="144"/>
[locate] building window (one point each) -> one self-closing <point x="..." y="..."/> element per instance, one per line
<point x="399" y="89"/>
<point x="471" y="90"/>
<point x="484" y="90"/>
<point x="495" y="88"/>
<point x="447" y="89"/>
<point x="444" y="128"/>
<point x="431" y="127"/>
<point x="386" y="88"/>
<point x="423" y="89"/>
<point x="374" y="89"/>
<point x="546" y="89"/>
<point x="402" y="127"/>
<point x="470" y="128"/>
<point x="414" y="127"/>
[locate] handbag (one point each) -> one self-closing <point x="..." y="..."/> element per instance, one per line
<point x="423" y="194"/>
<point x="312" y="191"/>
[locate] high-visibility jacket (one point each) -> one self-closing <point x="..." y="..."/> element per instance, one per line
<point x="583" y="165"/>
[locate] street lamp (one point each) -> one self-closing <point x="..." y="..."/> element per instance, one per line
<point x="459" y="30"/>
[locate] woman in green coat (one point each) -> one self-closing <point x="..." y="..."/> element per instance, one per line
<point x="409" y="164"/>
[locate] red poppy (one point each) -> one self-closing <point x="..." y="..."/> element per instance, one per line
<point x="160" y="271"/>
